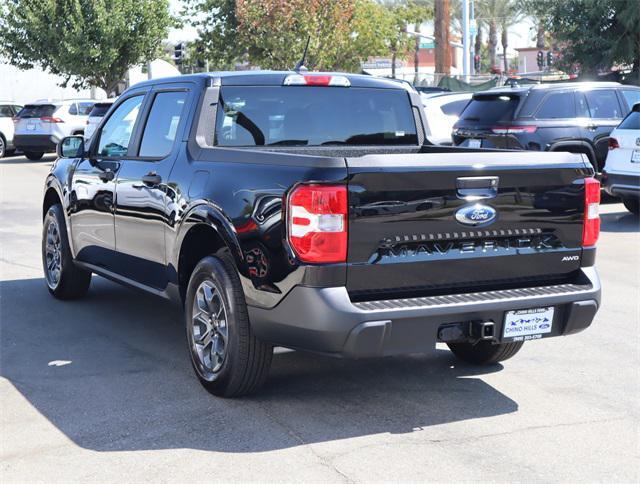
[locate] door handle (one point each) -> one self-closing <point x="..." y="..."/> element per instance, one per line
<point x="107" y="175"/>
<point x="152" y="179"/>
<point x="477" y="187"/>
<point x="592" y="127"/>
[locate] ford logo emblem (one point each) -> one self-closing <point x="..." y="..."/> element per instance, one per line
<point x="477" y="214"/>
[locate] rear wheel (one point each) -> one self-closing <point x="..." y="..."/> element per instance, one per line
<point x="632" y="204"/>
<point x="3" y="147"/>
<point x="34" y="155"/>
<point x="226" y="356"/>
<point x="484" y="352"/>
<point x="64" y="279"/>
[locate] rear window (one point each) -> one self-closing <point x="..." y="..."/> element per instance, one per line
<point x="313" y="116"/>
<point x="488" y="109"/>
<point x="36" y="110"/>
<point x="631" y="96"/>
<point x="632" y="121"/>
<point x="99" y="110"/>
<point x="454" y="108"/>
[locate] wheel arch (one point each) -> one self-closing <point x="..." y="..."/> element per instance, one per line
<point x="205" y="230"/>
<point x="51" y="197"/>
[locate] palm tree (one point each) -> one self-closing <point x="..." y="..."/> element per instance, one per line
<point x="499" y="14"/>
<point x="418" y="11"/>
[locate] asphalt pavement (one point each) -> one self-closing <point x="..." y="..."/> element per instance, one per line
<point x="101" y="389"/>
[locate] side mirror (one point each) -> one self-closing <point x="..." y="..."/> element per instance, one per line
<point x="71" y="147"/>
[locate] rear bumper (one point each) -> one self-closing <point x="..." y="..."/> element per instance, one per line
<point x="325" y="320"/>
<point x="35" y="142"/>
<point x="627" y="186"/>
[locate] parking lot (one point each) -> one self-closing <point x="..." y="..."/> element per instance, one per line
<point x="101" y="389"/>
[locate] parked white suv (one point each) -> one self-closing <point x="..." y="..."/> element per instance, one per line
<point x="442" y="110"/>
<point x="42" y="124"/>
<point x="95" y="116"/>
<point x="7" y="112"/>
<point x="621" y="174"/>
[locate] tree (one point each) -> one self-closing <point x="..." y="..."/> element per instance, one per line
<point x="499" y="15"/>
<point x="217" y="26"/>
<point x="273" y="33"/>
<point x="442" y="10"/>
<point x="596" y="34"/>
<point x="88" y="43"/>
<point x="418" y="11"/>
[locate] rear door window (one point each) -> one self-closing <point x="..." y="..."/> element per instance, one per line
<point x="557" y="105"/>
<point x="84" y="108"/>
<point x="603" y="104"/>
<point x="632" y="121"/>
<point x="99" y="110"/>
<point x="162" y="124"/>
<point x="491" y="108"/>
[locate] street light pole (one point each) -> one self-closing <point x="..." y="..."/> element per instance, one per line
<point x="465" y="39"/>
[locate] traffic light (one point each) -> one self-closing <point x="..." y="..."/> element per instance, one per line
<point x="179" y="53"/>
<point x="540" y="59"/>
<point x="549" y="59"/>
<point x="476" y="62"/>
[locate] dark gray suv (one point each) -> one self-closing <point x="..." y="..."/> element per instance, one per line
<point x="576" y="117"/>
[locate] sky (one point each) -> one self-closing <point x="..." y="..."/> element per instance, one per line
<point x="520" y="35"/>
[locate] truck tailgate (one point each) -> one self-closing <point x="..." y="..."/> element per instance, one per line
<point x="444" y="222"/>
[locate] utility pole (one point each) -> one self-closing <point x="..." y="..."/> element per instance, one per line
<point x="465" y="39"/>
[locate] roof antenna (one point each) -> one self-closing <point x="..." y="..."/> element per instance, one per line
<point x="300" y="65"/>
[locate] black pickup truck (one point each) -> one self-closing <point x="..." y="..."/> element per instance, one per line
<point x="306" y="210"/>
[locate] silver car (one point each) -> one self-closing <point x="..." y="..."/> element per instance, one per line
<point x="96" y="115"/>
<point x="41" y="125"/>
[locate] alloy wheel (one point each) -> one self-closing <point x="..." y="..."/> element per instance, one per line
<point x="53" y="254"/>
<point x="209" y="330"/>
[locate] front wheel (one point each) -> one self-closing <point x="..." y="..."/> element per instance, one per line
<point x="65" y="280"/>
<point x="226" y="356"/>
<point x="484" y="352"/>
<point x="34" y="155"/>
<point x="632" y="204"/>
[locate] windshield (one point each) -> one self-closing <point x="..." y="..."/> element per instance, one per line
<point x="489" y="109"/>
<point x="313" y="116"/>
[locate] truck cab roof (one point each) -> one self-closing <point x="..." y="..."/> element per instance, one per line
<point x="274" y="78"/>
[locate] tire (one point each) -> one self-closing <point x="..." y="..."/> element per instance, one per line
<point x="3" y="147"/>
<point x="34" y="155"/>
<point x="229" y="360"/>
<point x="632" y="204"/>
<point x="484" y="352"/>
<point x="64" y="279"/>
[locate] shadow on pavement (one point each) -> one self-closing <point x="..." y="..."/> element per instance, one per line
<point x="129" y="384"/>
<point x="22" y="160"/>
<point x="619" y="222"/>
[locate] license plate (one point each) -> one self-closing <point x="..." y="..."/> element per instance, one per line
<point x="31" y="127"/>
<point x="475" y="143"/>
<point x="635" y="156"/>
<point x="526" y="324"/>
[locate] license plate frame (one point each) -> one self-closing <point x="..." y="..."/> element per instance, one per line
<point x="635" y="156"/>
<point x="527" y="324"/>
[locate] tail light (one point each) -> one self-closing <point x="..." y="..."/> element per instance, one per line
<point x="613" y="144"/>
<point x="51" y="119"/>
<point x="317" y="223"/>
<point x="513" y="129"/>
<point x="591" y="226"/>
<point x="316" y="80"/>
